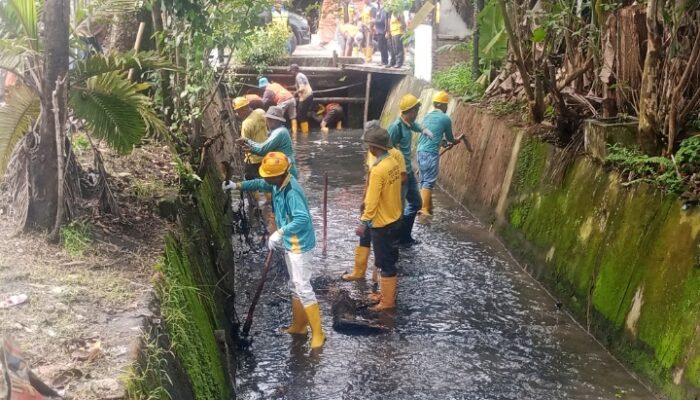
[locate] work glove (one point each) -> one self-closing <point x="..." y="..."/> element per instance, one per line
<point x="275" y="240"/>
<point x="427" y="133"/>
<point x="228" y="185"/>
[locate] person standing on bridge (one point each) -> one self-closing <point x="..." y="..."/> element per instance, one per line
<point x="380" y="31"/>
<point x="295" y="236"/>
<point x="278" y="141"/>
<point x="397" y="27"/>
<point x="277" y="95"/>
<point x="305" y="95"/>
<point x="382" y="214"/>
<point x="362" y="249"/>
<point x="369" y="11"/>
<point x="428" y="150"/>
<point x="401" y="135"/>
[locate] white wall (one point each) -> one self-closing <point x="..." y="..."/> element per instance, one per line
<point x="451" y="24"/>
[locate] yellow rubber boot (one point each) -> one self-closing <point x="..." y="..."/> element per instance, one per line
<point x="388" y="299"/>
<point x="427" y="198"/>
<point x="313" y="314"/>
<point x="294" y="126"/>
<point x="304" y="127"/>
<point x="339" y="125"/>
<point x="299" y="321"/>
<point x="361" y="257"/>
<point x="354" y="52"/>
<point x="368" y="51"/>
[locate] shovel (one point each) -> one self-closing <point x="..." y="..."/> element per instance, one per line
<point x="258" y="292"/>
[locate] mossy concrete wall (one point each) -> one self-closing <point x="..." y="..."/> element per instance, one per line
<point x="625" y="260"/>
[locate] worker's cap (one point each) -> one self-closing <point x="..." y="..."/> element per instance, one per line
<point x="320" y="109"/>
<point x="276" y="113"/>
<point x="408" y="102"/>
<point x="441" y="97"/>
<point x="262" y="82"/>
<point x="293" y="67"/>
<point x="240" y="102"/>
<point x="273" y="164"/>
<point x="376" y="136"/>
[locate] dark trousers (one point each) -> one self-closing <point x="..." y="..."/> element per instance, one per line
<point x="397" y="51"/>
<point x="413" y="205"/>
<point x="386" y="248"/>
<point x="383" y="46"/>
<point x="366" y="239"/>
<point x="303" y="108"/>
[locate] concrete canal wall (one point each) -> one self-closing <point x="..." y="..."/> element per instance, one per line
<point x="624" y="260"/>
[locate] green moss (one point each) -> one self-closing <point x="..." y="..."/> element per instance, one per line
<point x="692" y="372"/>
<point x="530" y="166"/>
<point x="188" y="317"/>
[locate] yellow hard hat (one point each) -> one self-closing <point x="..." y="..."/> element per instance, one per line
<point x="408" y="102"/>
<point x="273" y="164"/>
<point x="240" y="102"/>
<point x="441" y="97"/>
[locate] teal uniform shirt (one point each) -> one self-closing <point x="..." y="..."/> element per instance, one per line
<point x="441" y="126"/>
<point x="292" y="214"/>
<point x="279" y="140"/>
<point x="401" y="137"/>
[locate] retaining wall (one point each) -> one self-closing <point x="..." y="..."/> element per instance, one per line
<point x="624" y="260"/>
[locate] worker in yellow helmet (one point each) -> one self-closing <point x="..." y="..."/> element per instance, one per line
<point x="295" y="237"/>
<point x="428" y="150"/>
<point x="253" y="128"/>
<point x="401" y="133"/>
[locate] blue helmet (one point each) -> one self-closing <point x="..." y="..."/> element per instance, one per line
<point x="262" y="82"/>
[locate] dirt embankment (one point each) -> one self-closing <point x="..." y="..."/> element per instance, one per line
<point x="90" y="298"/>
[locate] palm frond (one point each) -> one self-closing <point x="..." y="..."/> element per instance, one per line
<point x="23" y="16"/>
<point x="15" y="118"/>
<point x="111" y="107"/>
<point x="110" y="8"/>
<point x="14" y="54"/>
<point x="115" y="61"/>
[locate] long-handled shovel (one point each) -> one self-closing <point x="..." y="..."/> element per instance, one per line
<point x="258" y="292"/>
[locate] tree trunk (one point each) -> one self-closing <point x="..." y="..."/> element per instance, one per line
<point x="648" y="94"/>
<point x="168" y="106"/>
<point x="43" y="170"/>
<point x="476" y="70"/>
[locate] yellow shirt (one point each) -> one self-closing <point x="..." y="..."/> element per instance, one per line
<point x="395" y="26"/>
<point x="393" y="153"/>
<point x="383" y="197"/>
<point x="255" y="129"/>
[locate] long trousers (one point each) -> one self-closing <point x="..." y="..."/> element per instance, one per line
<point x="299" y="269"/>
<point x="386" y="249"/>
<point x="397" y="51"/>
<point x="383" y="46"/>
<point x="303" y="108"/>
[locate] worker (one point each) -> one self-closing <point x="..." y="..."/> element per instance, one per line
<point x="330" y="115"/>
<point x="254" y="101"/>
<point x="305" y="95"/>
<point x="397" y="27"/>
<point x="351" y="37"/>
<point x="362" y="250"/>
<point x="295" y="235"/>
<point x="277" y="95"/>
<point x="279" y="139"/>
<point x="380" y="32"/>
<point x="382" y="214"/>
<point x="279" y="15"/>
<point x="401" y="135"/>
<point x="254" y="128"/>
<point x="428" y="150"/>
<point x="367" y="16"/>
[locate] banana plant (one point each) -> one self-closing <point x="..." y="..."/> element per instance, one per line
<point x="112" y="107"/>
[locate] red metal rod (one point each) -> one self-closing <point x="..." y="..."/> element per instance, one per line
<point x="325" y="213"/>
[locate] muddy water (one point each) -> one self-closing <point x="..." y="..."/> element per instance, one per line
<point x="469" y="323"/>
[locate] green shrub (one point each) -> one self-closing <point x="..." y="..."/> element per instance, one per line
<point x="458" y="81"/>
<point x="267" y="46"/>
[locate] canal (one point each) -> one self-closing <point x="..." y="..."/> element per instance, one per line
<point x="469" y="323"/>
